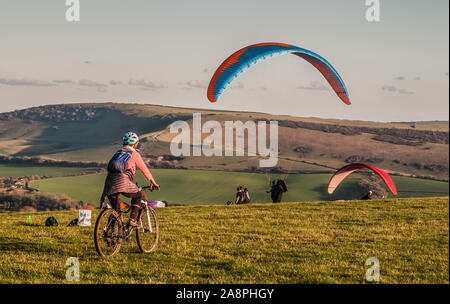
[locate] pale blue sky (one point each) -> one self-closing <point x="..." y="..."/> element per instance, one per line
<point x="165" y="52"/>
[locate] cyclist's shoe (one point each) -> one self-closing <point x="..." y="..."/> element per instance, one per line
<point x="109" y="242"/>
<point x="133" y="223"/>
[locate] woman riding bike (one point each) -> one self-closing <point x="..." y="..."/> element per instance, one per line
<point x="121" y="171"/>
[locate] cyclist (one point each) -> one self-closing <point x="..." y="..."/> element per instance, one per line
<point x="121" y="171"/>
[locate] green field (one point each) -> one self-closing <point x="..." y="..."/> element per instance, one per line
<point x="18" y="170"/>
<point x="313" y="242"/>
<point x="193" y="187"/>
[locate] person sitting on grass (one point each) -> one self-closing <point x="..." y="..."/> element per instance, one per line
<point x="242" y="196"/>
<point x="368" y="196"/>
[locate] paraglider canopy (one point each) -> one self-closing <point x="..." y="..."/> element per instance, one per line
<point x="244" y="58"/>
<point x="342" y="173"/>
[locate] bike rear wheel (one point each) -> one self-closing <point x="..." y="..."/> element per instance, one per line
<point x="108" y="233"/>
<point x="147" y="234"/>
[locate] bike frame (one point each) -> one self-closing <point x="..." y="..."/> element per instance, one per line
<point x="128" y="230"/>
<point x="124" y="232"/>
<point x="147" y="212"/>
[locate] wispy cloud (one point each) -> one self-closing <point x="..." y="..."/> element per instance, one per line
<point x="145" y="84"/>
<point x="115" y="83"/>
<point x="404" y="78"/>
<point x="64" y="81"/>
<point x="101" y="87"/>
<point x="394" y="89"/>
<point x="238" y="85"/>
<point x="26" y="82"/>
<point x="90" y="83"/>
<point x="197" y="84"/>
<point x="314" y="86"/>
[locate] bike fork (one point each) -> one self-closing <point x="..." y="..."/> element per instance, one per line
<point x="148" y="218"/>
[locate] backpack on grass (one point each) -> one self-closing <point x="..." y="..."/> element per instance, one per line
<point x="74" y="222"/>
<point x="51" y="221"/>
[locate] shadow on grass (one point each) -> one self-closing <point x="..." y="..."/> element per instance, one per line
<point x="30" y="225"/>
<point x="26" y="246"/>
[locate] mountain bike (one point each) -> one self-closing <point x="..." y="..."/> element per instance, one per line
<point x="110" y="230"/>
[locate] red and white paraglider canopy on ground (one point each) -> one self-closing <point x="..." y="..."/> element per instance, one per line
<point x="342" y="173"/>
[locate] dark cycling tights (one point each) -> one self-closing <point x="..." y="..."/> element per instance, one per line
<point x="135" y="198"/>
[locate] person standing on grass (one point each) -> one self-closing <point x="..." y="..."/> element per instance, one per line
<point x="121" y="171"/>
<point x="278" y="190"/>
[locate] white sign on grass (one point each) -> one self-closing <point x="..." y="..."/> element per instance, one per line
<point x="84" y="217"/>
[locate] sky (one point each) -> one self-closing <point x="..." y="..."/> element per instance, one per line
<point x="165" y="53"/>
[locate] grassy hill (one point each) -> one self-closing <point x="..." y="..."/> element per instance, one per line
<point x="19" y="170"/>
<point x="92" y="132"/>
<point x="195" y="187"/>
<point x="297" y="243"/>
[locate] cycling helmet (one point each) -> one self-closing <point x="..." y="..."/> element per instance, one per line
<point x="130" y="138"/>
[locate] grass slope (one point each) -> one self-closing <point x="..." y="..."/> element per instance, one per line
<point x="215" y="187"/>
<point x="18" y="170"/>
<point x="315" y="242"/>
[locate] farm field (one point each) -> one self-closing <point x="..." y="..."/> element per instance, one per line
<point x="195" y="187"/>
<point x="18" y="170"/>
<point x="293" y="243"/>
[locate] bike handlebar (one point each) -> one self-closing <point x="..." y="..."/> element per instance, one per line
<point x="150" y="188"/>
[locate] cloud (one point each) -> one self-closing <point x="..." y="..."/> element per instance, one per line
<point x="238" y="85"/>
<point x="314" y="86"/>
<point x="393" y="89"/>
<point x="197" y="84"/>
<point x="145" y="84"/>
<point x="64" y="81"/>
<point x="115" y="82"/>
<point x="26" y="82"/>
<point x="183" y="86"/>
<point x="402" y="78"/>
<point x="101" y="87"/>
<point x="90" y="83"/>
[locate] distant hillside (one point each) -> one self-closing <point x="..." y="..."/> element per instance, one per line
<point x="92" y="132"/>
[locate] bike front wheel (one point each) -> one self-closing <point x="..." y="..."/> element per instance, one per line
<point x="147" y="234"/>
<point x="108" y="233"/>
